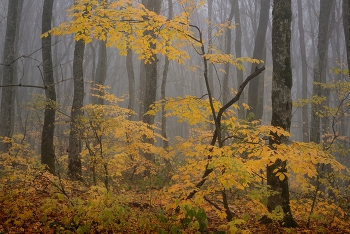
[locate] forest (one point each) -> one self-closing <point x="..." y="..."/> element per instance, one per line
<point x="174" y="116"/>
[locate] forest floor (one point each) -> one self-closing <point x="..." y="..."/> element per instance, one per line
<point x="34" y="210"/>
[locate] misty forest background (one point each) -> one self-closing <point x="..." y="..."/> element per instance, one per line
<point x="47" y="81"/>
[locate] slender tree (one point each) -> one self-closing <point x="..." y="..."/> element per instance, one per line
<point x="256" y="103"/>
<point x="74" y="148"/>
<point x="238" y="51"/>
<point x="320" y="66"/>
<point x="281" y="105"/>
<point x="228" y="36"/>
<point x="210" y="32"/>
<point x="7" y="100"/>
<point x="101" y="69"/>
<point x="163" y="87"/>
<point x="304" y="76"/>
<point x="346" y="26"/>
<point x="151" y="73"/>
<point x="131" y="79"/>
<point x="15" y="89"/>
<point x="47" y="144"/>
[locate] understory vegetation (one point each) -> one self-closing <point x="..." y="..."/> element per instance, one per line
<point x="122" y="192"/>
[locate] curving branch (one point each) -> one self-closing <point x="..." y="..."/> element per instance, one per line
<point x="218" y="120"/>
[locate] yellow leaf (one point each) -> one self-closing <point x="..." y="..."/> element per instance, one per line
<point x="281" y="176"/>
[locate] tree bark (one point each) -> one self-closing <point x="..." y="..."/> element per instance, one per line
<point x="281" y="104"/>
<point x="320" y="67"/>
<point x="228" y="36"/>
<point x="346" y="26"/>
<point x="255" y="99"/>
<point x="7" y="101"/>
<point x="151" y="81"/>
<point x="15" y="75"/>
<point x="131" y="79"/>
<point x="305" y="119"/>
<point x="74" y="148"/>
<point x="101" y="69"/>
<point x="210" y="31"/>
<point x="47" y="144"/>
<point x="163" y="87"/>
<point x="238" y="50"/>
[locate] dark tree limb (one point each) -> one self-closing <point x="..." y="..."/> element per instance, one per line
<point x="219" y="116"/>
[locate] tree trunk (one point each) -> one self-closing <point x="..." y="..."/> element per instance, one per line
<point x="151" y="80"/>
<point x="74" y="148"/>
<point x="142" y="89"/>
<point x="346" y="25"/>
<point x="101" y="69"/>
<point x="47" y="145"/>
<point x="238" y="50"/>
<point x="131" y="79"/>
<point x="228" y="36"/>
<point x="256" y="101"/>
<point x="320" y="67"/>
<point x="163" y="87"/>
<point x="305" y="119"/>
<point x="210" y="31"/>
<point x="15" y="75"/>
<point x="7" y="101"/>
<point x="281" y="104"/>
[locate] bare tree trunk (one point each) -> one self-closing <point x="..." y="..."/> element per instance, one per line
<point x="101" y="69"/>
<point x="320" y="67"/>
<point x="151" y="80"/>
<point x="238" y="50"/>
<point x="47" y="144"/>
<point x="74" y="148"/>
<point x="7" y="101"/>
<point x="346" y="25"/>
<point x="131" y="79"/>
<point x="281" y="104"/>
<point x="210" y="30"/>
<point x="163" y="87"/>
<point x="228" y="36"/>
<point x="256" y="100"/>
<point x="15" y="76"/>
<point x="142" y="89"/>
<point x="305" y="118"/>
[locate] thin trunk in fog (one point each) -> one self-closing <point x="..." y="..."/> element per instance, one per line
<point x="346" y="26"/>
<point x="101" y="69"/>
<point x="47" y="144"/>
<point x="320" y="67"/>
<point x="7" y="102"/>
<point x="93" y="69"/>
<point x="317" y="91"/>
<point x="282" y="82"/>
<point x="228" y="37"/>
<point x="163" y="87"/>
<point x="305" y="119"/>
<point x="142" y="89"/>
<point x="74" y="148"/>
<point x="131" y="79"/>
<point x="238" y="50"/>
<point x="255" y="99"/>
<point x="210" y="31"/>
<point x="151" y="79"/>
<point x="15" y="76"/>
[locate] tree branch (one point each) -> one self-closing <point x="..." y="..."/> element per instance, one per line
<point x="220" y="113"/>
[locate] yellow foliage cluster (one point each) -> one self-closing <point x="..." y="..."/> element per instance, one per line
<point x="241" y="161"/>
<point x="128" y="25"/>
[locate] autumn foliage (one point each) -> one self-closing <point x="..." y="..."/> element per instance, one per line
<point x="122" y="192"/>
